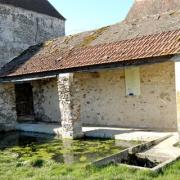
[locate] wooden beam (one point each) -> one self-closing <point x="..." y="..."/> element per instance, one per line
<point x="92" y="68"/>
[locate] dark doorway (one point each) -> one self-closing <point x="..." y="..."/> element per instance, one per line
<point x="24" y="102"/>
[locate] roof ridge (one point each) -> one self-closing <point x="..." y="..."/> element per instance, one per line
<point x="126" y="40"/>
<point x="135" y="51"/>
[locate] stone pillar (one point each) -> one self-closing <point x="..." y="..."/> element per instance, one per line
<point x="69" y="98"/>
<point x="8" y="115"/>
<point x="177" y="80"/>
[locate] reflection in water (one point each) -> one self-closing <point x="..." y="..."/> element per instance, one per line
<point x="68" y="157"/>
<point x="27" y="146"/>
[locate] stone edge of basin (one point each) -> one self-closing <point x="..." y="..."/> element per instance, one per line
<point x="147" y="145"/>
<point x="134" y="150"/>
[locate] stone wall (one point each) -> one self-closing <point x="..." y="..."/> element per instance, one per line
<point x="104" y="101"/>
<point x="146" y="8"/>
<point x="46" y="102"/>
<point x="21" y="28"/>
<point x="7" y="107"/>
<point x="70" y="105"/>
<point x="177" y="70"/>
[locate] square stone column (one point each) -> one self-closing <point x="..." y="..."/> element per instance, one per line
<point x="69" y="98"/>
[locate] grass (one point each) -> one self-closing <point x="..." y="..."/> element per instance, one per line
<point x="12" y="170"/>
<point x="53" y="160"/>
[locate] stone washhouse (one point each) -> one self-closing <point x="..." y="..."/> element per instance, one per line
<point x="124" y="75"/>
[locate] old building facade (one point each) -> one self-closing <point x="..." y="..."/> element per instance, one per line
<point x="23" y="23"/>
<point x="124" y="75"/>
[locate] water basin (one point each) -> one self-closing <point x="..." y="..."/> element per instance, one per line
<point x="24" y="147"/>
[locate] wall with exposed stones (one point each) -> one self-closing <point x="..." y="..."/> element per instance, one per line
<point x="46" y="101"/>
<point x="104" y="101"/>
<point x="7" y="107"/>
<point x="70" y="105"/>
<point x="21" y="28"/>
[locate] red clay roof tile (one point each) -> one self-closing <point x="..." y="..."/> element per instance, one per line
<point x="43" y="58"/>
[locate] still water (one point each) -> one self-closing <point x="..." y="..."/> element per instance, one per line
<point x="27" y="146"/>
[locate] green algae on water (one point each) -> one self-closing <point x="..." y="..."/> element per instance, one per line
<point x="35" y="149"/>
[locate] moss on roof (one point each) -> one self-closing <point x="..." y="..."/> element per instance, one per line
<point x="93" y="36"/>
<point x="127" y="29"/>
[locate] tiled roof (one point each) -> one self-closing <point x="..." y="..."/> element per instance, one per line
<point x="40" y="6"/>
<point x="50" y="57"/>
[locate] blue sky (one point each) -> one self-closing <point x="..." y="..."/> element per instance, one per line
<point x="83" y="15"/>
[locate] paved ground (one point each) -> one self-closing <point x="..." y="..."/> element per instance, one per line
<point x="124" y="133"/>
<point x="97" y="132"/>
<point x="39" y="128"/>
<point x="165" y="149"/>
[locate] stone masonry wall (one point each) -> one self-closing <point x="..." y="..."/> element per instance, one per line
<point x="21" y="28"/>
<point x="177" y="70"/>
<point x="46" y="102"/>
<point x="104" y="101"/>
<point x="69" y="103"/>
<point x="7" y="107"/>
